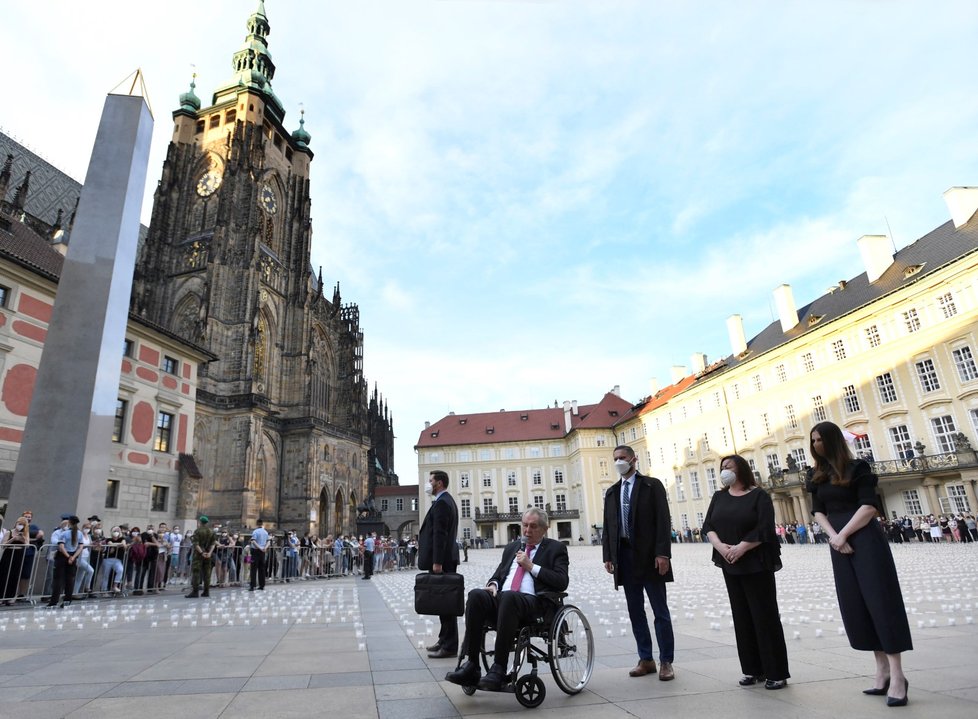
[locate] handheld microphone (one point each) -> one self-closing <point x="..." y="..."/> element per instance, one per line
<point x="522" y="543"/>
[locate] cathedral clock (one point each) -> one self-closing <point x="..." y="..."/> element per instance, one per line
<point x="266" y="200"/>
<point x="208" y="183"/>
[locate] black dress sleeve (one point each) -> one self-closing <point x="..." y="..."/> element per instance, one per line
<point x="864" y="484"/>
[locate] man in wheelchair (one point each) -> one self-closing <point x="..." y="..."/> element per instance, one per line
<point x="531" y="566"/>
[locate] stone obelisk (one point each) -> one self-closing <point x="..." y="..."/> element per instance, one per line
<point x="64" y="456"/>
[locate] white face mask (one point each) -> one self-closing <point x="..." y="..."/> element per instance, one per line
<point x="428" y="489"/>
<point x="623" y="466"/>
<point x="728" y="477"/>
<point x="20" y="527"/>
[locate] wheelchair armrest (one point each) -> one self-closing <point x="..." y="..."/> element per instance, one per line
<point x="555" y="597"/>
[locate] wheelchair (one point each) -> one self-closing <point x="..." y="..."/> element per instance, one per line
<point x="561" y="638"/>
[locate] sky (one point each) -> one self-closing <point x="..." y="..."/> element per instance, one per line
<point x="537" y="200"/>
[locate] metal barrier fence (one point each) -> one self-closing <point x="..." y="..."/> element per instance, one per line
<point x="32" y="574"/>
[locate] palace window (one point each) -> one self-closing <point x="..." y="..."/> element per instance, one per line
<point x="948" y="308"/>
<point x="901" y="443"/>
<point x="170" y="364"/>
<point x="911" y="320"/>
<point x="756" y="382"/>
<point x="463" y="480"/>
<point x="706" y="442"/>
<point x="465" y="506"/>
<point x="680" y="489"/>
<point x="118" y="429"/>
<point x="537" y="478"/>
<point x="399" y="504"/>
<point x="884" y="383"/>
<point x="790" y="417"/>
<point x="958" y="498"/>
<point x="694" y="484"/>
<point x="514" y="504"/>
<point x="873" y="336"/>
<point x="485" y="455"/>
<point x="839" y="350"/>
<point x="384" y="505"/>
<point x="944" y="432"/>
<point x="558" y="476"/>
<point x="158" y="498"/>
<point x="808" y="362"/>
<point x="538" y="501"/>
<point x="801" y="459"/>
<point x="782" y="373"/>
<point x="164" y="428"/>
<point x="964" y="361"/>
<point x="765" y="423"/>
<point x="486" y="505"/>
<point x="487" y="479"/>
<point x="560" y="502"/>
<point x="850" y="398"/>
<point x="510" y="478"/>
<point x="711" y="480"/>
<point x="927" y="374"/>
<point x="911" y="502"/>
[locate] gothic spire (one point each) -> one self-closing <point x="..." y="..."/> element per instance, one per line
<point x="20" y="196"/>
<point x="252" y="63"/>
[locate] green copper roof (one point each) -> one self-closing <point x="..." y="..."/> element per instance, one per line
<point x="189" y="100"/>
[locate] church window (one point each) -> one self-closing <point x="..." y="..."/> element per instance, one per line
<point x="230" y="117"/>
<point x="170" y="364"/>
<point x="215" y="121"/>
<point x="200" y="126"/>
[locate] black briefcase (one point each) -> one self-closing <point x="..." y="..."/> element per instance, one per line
<point x="439" y="594"/>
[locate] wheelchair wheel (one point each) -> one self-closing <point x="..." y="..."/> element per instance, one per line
<point x="571" y="649"/>
<point x="530" y="691"/>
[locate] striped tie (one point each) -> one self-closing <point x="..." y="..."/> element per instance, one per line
<point x="625" y="507"/>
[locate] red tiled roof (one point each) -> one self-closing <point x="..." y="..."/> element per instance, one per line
<point x="659" y="398"/>
<point x="410" y="490"/>
<point x="21" y="243"/>
<point x="521" y="425"/>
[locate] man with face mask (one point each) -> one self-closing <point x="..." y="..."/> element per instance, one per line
<point x="637" y="551"/>
<point x="438" y="552"/>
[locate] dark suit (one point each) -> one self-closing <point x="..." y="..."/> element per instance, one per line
<point x="509" y="610"/>
<point x="437" y="545"/>
<point x="649" y="536"/>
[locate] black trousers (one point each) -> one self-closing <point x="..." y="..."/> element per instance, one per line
<point x="508" y="611"/>
<point x="757" y="624"/>
<point x="257" y="569"/>
<point x="64" y="579"/>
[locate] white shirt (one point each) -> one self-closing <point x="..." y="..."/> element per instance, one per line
<point x="527" y="586"/>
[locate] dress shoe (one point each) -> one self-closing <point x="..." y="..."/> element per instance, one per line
<point x="874" y="692"/>
<point x="206" y="594"/>
<point x="902" y="701"/>
<point x="434" y="647"/>
<point x="494" y="680"/>
<point x="775" y="683"/>
<point x="644" y="666"/>
<point x="442" y="653"/>
<point x="750" y="680"/>
<point x="466" y="675"/>
<point x="192" y="595"/>
<point x="666" y="673"/>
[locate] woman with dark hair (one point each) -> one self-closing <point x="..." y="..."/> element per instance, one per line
<point x="844" y="503"/>
<point x="740" y="526"/>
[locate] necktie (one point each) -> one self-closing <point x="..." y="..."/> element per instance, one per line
<point x="518" y="576"/>
<point x="625" y="508"/>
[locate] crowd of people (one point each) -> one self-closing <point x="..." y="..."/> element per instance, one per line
<point x="84" y="559"/>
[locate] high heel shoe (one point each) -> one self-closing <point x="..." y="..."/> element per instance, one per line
<point x="874" y="692"/>
<point x="901" y="702"/>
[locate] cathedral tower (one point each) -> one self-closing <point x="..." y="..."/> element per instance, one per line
<point x="284" y="423"/>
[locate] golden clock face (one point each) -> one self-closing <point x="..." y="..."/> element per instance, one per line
<point x="266" y="200"/>
<point x="208" y="183"/>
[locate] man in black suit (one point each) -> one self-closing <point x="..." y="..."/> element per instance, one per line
<point x="637" y="551"/>
<point x="438" y="552"/>
<point x="511" y="599"/>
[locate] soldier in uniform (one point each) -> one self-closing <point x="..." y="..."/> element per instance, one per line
<point x="204" y="542"/>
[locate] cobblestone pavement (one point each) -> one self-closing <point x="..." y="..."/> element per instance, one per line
<point x="350" y="647"/>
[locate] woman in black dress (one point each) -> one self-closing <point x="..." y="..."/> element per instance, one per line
<point x="740" y="526"/>
<point x="844" y="502"/>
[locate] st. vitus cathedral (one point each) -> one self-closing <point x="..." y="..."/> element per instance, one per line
<point x="286" y="429"/>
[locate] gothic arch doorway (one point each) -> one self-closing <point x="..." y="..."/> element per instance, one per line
<point x="338" y="512"/>
<point x="323" y="512"/>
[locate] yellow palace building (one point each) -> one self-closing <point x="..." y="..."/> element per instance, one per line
<point x="889" y="355"/>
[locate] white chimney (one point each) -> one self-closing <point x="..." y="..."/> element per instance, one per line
<point x="963" y="203"/>
<point x="738" y="340"/>
<point x="574" y="407"/>
<point x="698" y="362"/>
<point x="678" y="373"/>
<point x="427" y="424"/>
<point x="877" y="254"/>
<point x="654" y="385"/>
<point x="784" y="300"/>
<point x="616" y="390"/>
<point x="567" y="415"/>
